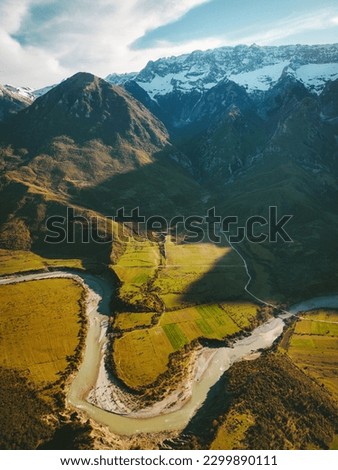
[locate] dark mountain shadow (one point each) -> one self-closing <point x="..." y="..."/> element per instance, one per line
<point x="279" y="271"/>
<point x="162" y="188"/>
<point x="224" y="281"/>
<point x="296" y="172"/>
<point x="73" y="435"/>
<point x="204" y="424"/>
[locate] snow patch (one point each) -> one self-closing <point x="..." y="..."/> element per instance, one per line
<point x="24" y="92"/>
<point x="261" y="79"/>
<point x="253" y="67"/>
<point x="315" y="76"/>
<point x="182" y="81"/>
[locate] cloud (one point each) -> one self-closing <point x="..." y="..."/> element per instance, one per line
<point x="287" y="27"/>
<point x="165" y="49"/>
<point x="43" y="41"/>
<point x="12" y="13"/>
<point x="25" y="66"/>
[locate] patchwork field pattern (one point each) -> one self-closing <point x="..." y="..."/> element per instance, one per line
<point x="199" y="273"/>
<point x="313" y="347"/>
<point x="173" y="276"/>
<point x="135" y="268"/>
<point x="140" y="356"/>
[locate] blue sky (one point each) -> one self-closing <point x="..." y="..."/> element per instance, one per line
<point x="239" y="21"/>
<point x="44" y="41"/>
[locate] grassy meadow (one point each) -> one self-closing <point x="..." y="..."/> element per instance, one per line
<point x="174" y="294"/>
<point x="198" y="273"/>
<point x="313" y="347"/>
<point x="20" y="261"/>
<point x="158" y="276"/>
<point x="39" y="327"/>
<point x="42" y="332"/>
<point x="141" y="355"/>
<point x="129" y="320"/>
<point x="231" y="433"/>
<point x="135" y="268"/>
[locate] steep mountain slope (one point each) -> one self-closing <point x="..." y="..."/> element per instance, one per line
<point x="21" y="92"/>
<point x="231" y="132"/>
<point x="297" y="171"/>
<point x="85" y="107"/>
<point x="12" y="101"/>
<point x="255" y="67"/>
<point x="225" y="133"/>
<point x="329" y="106"/>
<point x="91" y="145"/>
<point x="243" y="130"/>
<point x="277" y="149"/>
<point x="179" y="82"/>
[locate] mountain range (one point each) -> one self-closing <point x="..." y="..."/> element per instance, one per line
<point x="239" y="129"/>
<point x="173" y="86"/>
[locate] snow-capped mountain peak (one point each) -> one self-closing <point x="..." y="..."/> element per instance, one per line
<point x="23" y="92"/>
<point x="253" y="67"/>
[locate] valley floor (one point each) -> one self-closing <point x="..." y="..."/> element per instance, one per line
<point x="228" y="422"/>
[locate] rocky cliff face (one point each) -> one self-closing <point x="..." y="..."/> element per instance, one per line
<point x="13" y="100"/>
<point x="177" y="83"/>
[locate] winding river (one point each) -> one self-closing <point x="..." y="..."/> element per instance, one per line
<point x="219" y="360"/>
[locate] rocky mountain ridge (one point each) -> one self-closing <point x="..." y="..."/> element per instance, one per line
<point x="257" y="68"/>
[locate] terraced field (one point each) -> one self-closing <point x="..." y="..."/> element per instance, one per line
<point x="39" y="327"/>
<point x="313" y="346"/>
<point x="140" y="356"/>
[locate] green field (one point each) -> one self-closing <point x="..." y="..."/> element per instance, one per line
<point x="199" y="273"/>
<point x="137" y="265"/>
<point x="129" y="320"/>
<point x="21" y="261"/>
<point x="313" y="346"/>
<point x="182" y="293"/>
<point x="140" y="356"/>
<point x="180" y="276"/>
<point x="39" y="327"/>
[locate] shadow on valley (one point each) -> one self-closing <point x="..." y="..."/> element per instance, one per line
<point x="279" y="271"/>
<point x="264" y="404"/>
<point x="225" y="280"/>
<point x="160" y="188"/>
<point x="202" y="428"/>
